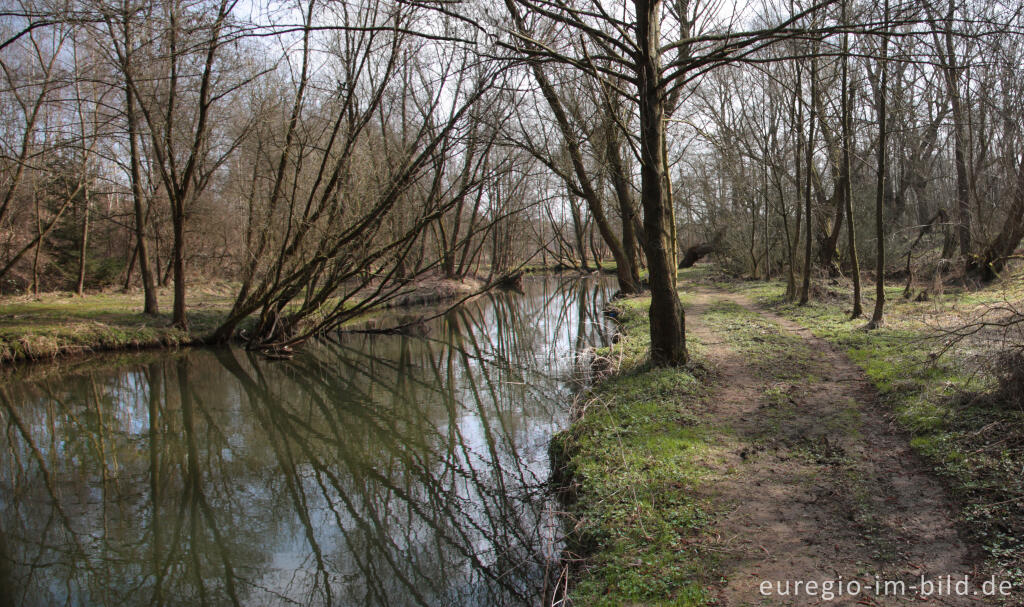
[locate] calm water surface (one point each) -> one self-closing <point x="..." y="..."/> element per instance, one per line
<point x="371" y="470"/>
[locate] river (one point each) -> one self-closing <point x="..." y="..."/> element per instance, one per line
<point x="369" y="469"/>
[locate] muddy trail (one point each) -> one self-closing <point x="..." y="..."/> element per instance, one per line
<point x="816" y="484"/>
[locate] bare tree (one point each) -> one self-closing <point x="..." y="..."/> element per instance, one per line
<point x="177" y="102"/>
<point x="846" y="93"/>
<point x="881" y="99"/>
<point x="324" y="237"/>
<point x="120" y="21"/>
<point x="32" y="77"/>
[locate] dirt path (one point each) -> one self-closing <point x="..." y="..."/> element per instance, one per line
<point x="817" y="486"/>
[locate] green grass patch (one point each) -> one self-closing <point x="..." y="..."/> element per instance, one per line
<point x="634" y="461"/>
<point x="56" y="324"/>
<point x="772" y="353"/>
<point x="34" y="328"/>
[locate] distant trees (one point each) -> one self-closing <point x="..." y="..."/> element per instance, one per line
<point x="580" y="178"/>
<point x="31" y="163"/>
<point x="907" y="139"/>
<point x="322" y="156"/>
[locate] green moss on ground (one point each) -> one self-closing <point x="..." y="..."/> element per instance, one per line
<point x="957" y="419"/>
<point x="634" y="461"/>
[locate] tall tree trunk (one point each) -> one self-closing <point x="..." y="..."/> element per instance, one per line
<point x="630" y="246"/>
<point x="767" y="204"/>
<point x="754" y="213"/>
<point x="797" y="117"/>
<point x="83" y="245"/>
<point x="670" y="207"/>
<point x="179" y="319"/>
<point x="145" y="269"/>
<point x="667" y="323"/>
<point x="789" y="259"/>
<point x="38" y="244"/>
<point x="131" y="268"/>
<point x="847" y="178"/>
<point x="805" y="290"/>
<point x="627" y="206"/>
<point x="963" y="203"/>
<point x="883" y="85"/>
<point x="946" y="53"/>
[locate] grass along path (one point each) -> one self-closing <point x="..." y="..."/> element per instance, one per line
<point x="633" y="465"/>
<point x="817" y="485"/>
<point x="768" y="459"/>
<point x="962" y="411"/>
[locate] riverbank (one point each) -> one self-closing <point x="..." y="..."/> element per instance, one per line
<point x="606" y="267"/>
<point x="430" y="290"/>
<point x="55" y="325"/>
<point x="798" y="445"/>
<point x="60" y="324"/>
<point x="631" y="467"/>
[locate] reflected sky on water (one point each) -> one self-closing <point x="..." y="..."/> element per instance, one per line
<point x="368" y="470"/>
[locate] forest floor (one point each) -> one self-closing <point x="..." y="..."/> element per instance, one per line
<point x="797" y="447"/>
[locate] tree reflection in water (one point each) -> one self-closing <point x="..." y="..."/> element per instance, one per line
<point x="369" y="469"/>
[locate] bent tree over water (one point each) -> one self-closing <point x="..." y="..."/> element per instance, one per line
<point x="397" y="470"/>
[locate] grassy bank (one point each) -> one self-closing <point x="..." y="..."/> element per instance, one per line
<point x="634" y="466"/>
<point x="957" y="416"/>
<point x="57" y="324"/>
